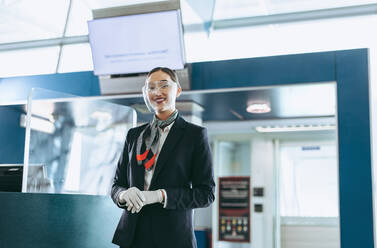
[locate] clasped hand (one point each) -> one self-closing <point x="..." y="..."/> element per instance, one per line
<point x="136" y="199"/>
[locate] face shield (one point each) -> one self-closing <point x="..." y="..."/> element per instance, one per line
<point x="146" y="99"/>
<point x="153" y="88"/>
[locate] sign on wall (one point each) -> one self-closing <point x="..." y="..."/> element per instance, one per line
<point x="234" y="209"/>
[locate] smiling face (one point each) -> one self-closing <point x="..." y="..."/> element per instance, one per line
<point x="162" y="93"/>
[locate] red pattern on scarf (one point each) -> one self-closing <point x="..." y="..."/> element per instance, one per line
<point x="150" y="162"/>
<point x="143" y="156"/>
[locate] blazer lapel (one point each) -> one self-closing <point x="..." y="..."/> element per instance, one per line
<point x="170" y="143"/>
<point x="137" y="170"/>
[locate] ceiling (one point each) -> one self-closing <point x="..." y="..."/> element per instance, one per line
<point x="24" y="20"/>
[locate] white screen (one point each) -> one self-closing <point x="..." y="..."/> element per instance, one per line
<point x="136" y="43"/>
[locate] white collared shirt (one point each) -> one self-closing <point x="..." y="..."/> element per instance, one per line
<point x="149" y="174"/>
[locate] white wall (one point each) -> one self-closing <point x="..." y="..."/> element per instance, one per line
<point x="262" y="175"/>
<point x="298" y="236"/>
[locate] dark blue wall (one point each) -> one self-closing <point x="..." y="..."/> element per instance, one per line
<point x="355" y="166"/>
<point x="76" y="83"/>
<point x="276" y="70"/>
<point x="12" y="136"/>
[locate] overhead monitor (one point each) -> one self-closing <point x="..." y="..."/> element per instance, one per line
<point x="137" y="43"/>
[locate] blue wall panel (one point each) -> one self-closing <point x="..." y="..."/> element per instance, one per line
<point x="289" y="69"/>
<point x="76" y="83"/>
<point x="202" y="238"/>
<point x="12" y="136"/>
<point x="355" y="172"/>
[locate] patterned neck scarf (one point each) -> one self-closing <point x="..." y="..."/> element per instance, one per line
<point x="148" y="140"/>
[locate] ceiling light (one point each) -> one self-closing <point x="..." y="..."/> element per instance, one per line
<point x="258" y="108"/>
<point x="300" y="128"/>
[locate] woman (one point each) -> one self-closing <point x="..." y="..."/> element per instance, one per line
<point x="164" y="172"/>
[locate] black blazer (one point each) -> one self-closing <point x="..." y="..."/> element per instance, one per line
<point x="184" y="169"/>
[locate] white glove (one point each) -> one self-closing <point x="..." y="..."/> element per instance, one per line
<point x="151" y="197"/>
<point x="133" y="198"/>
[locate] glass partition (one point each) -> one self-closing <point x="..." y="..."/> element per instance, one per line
<point x="72" y="143"/>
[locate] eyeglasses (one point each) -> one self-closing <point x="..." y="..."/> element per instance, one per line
<point x="162" y="85"/>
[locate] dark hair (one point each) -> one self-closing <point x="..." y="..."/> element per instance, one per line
<point x="172" y="74"/>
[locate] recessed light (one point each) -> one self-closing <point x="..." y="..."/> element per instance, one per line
<point x="258" y="108"/>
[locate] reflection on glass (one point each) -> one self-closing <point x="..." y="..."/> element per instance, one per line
<point x="80" y="153"/>
<point x="38" y="181"/>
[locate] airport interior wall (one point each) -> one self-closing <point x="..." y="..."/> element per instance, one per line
<point x="42" y="220"/>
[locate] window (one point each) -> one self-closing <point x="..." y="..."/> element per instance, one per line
<point x="28" y="61"/>
<point x="77" y="57"/>
<point x="25" y="20"/>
